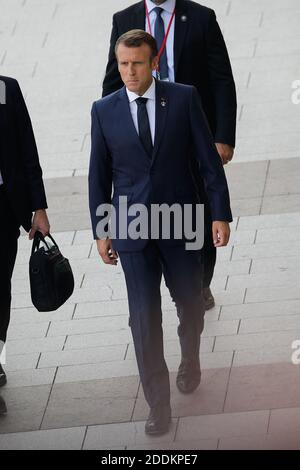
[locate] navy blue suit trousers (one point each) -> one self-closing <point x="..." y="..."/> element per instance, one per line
<point x="183" y="275"/>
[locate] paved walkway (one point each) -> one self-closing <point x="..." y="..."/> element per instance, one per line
<point x="72" y="376"/>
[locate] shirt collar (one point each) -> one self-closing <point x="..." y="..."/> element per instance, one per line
<point x="169" y="5"/>
<point x="150" y="93"/>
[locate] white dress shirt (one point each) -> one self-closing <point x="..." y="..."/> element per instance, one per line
<point x="166" y="15"/>
<point x="1" y="180"/>
<point x="150" y="105"/>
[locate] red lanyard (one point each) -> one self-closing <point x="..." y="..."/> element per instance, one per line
<point x="167" y="33"/>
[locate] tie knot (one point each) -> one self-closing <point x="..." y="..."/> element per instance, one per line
<point x="158" y="10"/>
<point x="141" y="101"/>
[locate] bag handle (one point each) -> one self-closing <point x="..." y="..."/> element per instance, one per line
<point x="39" y="237"/>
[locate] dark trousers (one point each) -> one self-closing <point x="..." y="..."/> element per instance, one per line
<point x="209" y="251"/>
<point x="9" y="233"/>
<point x="183" y="272"/>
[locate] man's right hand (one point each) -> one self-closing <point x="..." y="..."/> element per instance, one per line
<point x="105" y="250"/>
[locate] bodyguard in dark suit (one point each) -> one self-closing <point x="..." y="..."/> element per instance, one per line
<point x="143" y="137"/>
<point x="21" y="190"/>
<point x="195" y="54"/>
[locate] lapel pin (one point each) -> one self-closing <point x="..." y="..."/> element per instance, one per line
<point x="184" y="18"/>
<point x="163" y="102"/>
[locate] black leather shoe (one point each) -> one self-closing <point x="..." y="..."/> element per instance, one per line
<point x="189" y="376"/>
<point x="158" y="421"/>
<point x="209" y="300"/>
<point x="3" y="379"/>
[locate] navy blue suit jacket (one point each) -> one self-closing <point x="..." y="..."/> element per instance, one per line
<point x="119" y="160"/>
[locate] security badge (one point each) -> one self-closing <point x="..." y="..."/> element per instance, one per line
<point x="163" y="102"/>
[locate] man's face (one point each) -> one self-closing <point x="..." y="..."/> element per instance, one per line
<point x="135" y="67"/>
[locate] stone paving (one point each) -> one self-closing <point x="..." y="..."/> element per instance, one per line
<point x="72" y="375"/>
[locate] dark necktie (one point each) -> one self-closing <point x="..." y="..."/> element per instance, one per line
<point x="159" y="34"/>
<point x="144" y="126"/>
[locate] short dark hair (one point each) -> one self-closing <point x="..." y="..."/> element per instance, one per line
<point x="135" y="38"/>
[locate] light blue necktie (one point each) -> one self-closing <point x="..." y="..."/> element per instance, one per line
<point x="159" y="34"/>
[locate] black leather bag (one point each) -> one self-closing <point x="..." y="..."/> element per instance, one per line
<point x="51" y="277"/>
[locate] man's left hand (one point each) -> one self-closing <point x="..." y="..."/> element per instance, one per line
<point x="40" y="223"/>
<point x="226" y="152"/>
<point x="221" y="233"/>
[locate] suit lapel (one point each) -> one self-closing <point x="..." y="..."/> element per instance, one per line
<point x="128" y="126"/>
<point x="161" y="112"/>
<point x="4" y="134"/>
<point x="139" y="19"/>
<point x="181" y="26"/>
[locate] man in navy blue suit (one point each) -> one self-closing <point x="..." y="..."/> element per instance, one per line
<point x="143" y="139"/>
